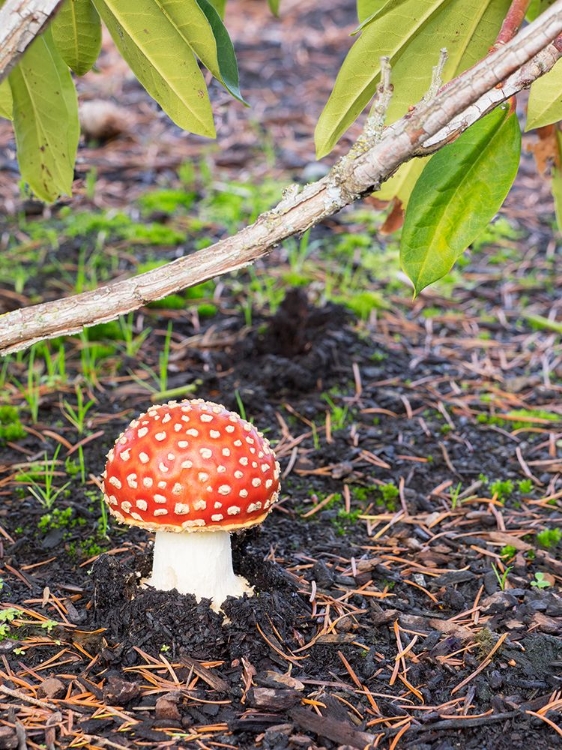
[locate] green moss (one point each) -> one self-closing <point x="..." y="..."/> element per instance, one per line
<point x="549" y="537"/>
<point x="10" y="426"/>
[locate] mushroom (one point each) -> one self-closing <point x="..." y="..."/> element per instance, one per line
<point x="192" y="472"/>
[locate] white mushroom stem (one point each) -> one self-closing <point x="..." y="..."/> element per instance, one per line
<point x="198" y="563"/>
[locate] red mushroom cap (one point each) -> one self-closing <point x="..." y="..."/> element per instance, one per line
<point x="191" y="466"/>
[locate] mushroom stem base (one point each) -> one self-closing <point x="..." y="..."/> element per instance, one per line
<point x="198" y="563"/>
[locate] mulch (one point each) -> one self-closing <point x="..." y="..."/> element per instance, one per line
<point x="381" y="618"/>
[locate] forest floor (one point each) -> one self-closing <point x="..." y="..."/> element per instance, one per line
<point x="408" y="583"/>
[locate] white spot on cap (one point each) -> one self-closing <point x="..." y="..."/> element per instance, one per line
<point x="217" y="408"/>
<point x="162" y="484"/>
<point x="224" y="489"/>
<point x="123" y="440"/>
<point x="230" y="428"/>
<point x="277" y="470"/>
<point x="186" y="464"/>
<point x="256" y="482"/>
<point x="162" y="467"/>
<point x="233" y="510"/>
<point x="161" y="512"/>
<point x="217" y="517"/>
<point x="160" y="498"/>
<point x="112" y="500"/>
<point x="184" y="418"/>
<point x="202" y="476"/>
<point x="233" y="417"/>
<point x="192" y="431"/>
<point x="243" y="493"/>
<point x="254" y="465"/>
<point x="221" y="469"/>
<point x="199" y="505"/>
<point x="243" y="460"/>
<point x="182" y="443"/>
<point x="125" y="455"/>
<point x="206" y="452"/>
<point x="186" y="407"/>
<point x="181" y="509"/>
<point x="247" y="426"/>
<point x="217" y="505"/>
<point x="196" y="522"/>
<point x="252" y="507"/>
<point x="160" y="436"/>
<point x="171" y="457"/>
<point x="132" y="481"/>
<point x="143" y="457"/>
<point x="177" y="489"/>
<point x="268" y="483"/>
<point x="118" y="516"/>
<point x="137" y="516"/>
<point x="237" y="443"/>
<point x="214" y="434"/>
<point x="115" y="482"/>
<point x="142" y="504"/>
<point x="142" y="432"/>
<point x="110" y="455"/>
<point x="148" y="481"/>
<point x="206" y="417"/>
<point x="126" y="506"/>
<point x="265" y="467"/>
<point x="177" y="427"/>
<point x="238" y="474"/>
<point x="226" y="451"/>
<point x="135" y="423"/>
<point x="166" y="418"/>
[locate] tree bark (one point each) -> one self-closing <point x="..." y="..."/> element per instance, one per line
<point x="20" y="22"/>
<point x="430" y="125"/>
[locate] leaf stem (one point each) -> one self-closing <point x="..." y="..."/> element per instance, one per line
<point x="512" y="22"/>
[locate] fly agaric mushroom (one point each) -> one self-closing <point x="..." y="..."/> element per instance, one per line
<point x="192" y="472"/>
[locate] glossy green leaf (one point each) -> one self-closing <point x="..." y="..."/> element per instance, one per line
<point x="161" y="59"/>
<point x="459" y="192"/>
<point x="366" y="8"/>
<point x="6" y="103"/>
<point x="226" y="67"/>
<point x="411" y="33"/>
<point x="219" y="6"/>
<point x="401" y="184"/>
<point x="545" y="99"/>
<point x="274" y="6"/>
<point x="537" y="7"/>
<point x="77" y="34"/>
<point x="45" y="119"/>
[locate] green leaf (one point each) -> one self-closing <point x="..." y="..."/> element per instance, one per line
<point x="537" y="7"/>
<point x="226" y="67"/>
<point x="545" y="99"/>
<point x="219" y="6"/>
<point x="458" y="194"/>
<point x="402" y="182"/>
<point x="6" y="103"/>
<point x="45" y="119"/>
<point x="77" y="34"/>
<point x="411" y="33"/>
<point x="161" y="59"/>
<point x="274" y="6"/>
<point x="366" y="8"/>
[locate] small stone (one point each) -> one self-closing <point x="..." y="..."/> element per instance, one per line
<point x="51" y="688"/>
<point x="167" y="707"/>
<point x="118" y="692"/>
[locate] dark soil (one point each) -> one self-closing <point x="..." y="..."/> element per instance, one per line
<point x="387" y="612"/>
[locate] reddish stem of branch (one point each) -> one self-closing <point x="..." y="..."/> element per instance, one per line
<point x="512" y="22"/>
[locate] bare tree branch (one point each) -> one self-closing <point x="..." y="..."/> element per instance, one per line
<point x="20" y="22"/>
<point x="360" y="172"/>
